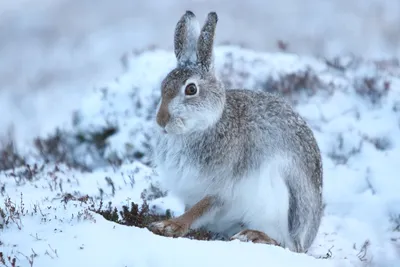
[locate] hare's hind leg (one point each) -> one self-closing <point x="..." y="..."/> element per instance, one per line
<point x="255" y="237"/>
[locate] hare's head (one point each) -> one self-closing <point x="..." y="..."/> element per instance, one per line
<point x="192" y="97"/>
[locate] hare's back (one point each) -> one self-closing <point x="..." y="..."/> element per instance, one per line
<point x="270" y="125"/>
<point x="259" y="108"/>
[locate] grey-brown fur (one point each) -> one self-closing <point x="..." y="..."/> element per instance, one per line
<point x="245" y="131"/>
<point x="185" y="40"/>
<point x="206" y="42"/>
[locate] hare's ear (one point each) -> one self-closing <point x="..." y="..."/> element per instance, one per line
<point x="205" y="44"/>
<point x="186" y="33"/>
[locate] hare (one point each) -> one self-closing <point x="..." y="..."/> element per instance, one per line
<point x="244" y="163"/>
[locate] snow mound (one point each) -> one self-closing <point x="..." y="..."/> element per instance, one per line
<point x="352" y="105"/>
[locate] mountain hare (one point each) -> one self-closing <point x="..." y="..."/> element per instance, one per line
<point x="244" y="163"/>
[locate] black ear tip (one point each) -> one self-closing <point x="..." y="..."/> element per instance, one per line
<point x="189" y="14"/>
<point x="213" y="16"/>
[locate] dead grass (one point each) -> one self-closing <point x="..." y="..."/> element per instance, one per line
<point x="60" y="147"/>
<point x="142" y="215"/>
<point x="372" y="88"/>
<point x="7" y="261"/>
<point x="395" y="219"/>
<point x="292" y="84"/>
<point x="11" y="213"/>
<point x="9" y="156"/>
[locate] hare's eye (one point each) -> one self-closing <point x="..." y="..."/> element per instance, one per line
<point x="191" y="89"/>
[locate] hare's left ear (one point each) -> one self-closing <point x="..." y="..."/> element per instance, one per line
<point x="187" y="31"/>
<point x="205" y="44"/>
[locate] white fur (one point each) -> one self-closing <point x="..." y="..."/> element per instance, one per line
<point x="260" y="200"/>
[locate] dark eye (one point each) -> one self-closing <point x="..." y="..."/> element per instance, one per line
<point x="190" y="89"/>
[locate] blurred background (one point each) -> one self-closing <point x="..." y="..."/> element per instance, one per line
<point x="53" y="50"/>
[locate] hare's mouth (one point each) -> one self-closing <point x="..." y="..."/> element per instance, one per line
<point x="175" y="126"/>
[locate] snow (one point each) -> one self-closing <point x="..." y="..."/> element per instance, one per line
<point x="60" y="238"/>
<point x="357" y="128"/>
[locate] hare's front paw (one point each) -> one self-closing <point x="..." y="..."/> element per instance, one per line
<point x="170" y="228"/>
<point x="254" y="236"/>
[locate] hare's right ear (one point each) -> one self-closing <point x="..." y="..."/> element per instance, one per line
<point x="187" y="32"/>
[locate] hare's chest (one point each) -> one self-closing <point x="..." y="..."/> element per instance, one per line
<point x="185" y="175"/>
<point x="184" y="183"/>
<point x="180" y="175"/>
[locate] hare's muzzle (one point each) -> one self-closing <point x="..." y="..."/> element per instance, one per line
<point x="163" y="114"/>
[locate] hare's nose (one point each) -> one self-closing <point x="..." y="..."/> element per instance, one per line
<point x="163" y="114"/>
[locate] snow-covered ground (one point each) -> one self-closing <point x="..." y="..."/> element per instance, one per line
<point x="61" y="234"/>
<point x="353" y="106"/>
